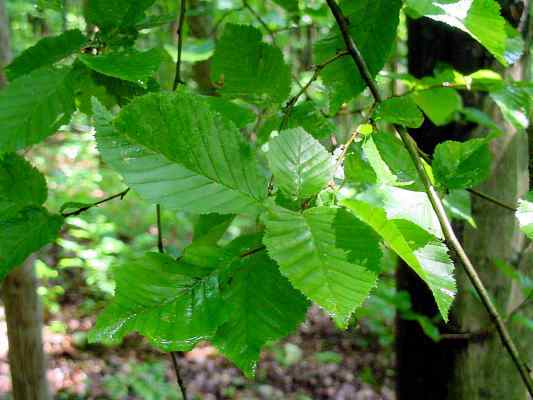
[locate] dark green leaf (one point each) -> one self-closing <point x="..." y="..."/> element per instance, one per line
<point x="239" y="115"/>
<point x="165" y="300"/>
<point x="33" y="107"/>
<point x="261" y="306"/>
<point x="46" y="52"/>
<point x="116" y="14"/>
<point x="401" y="111"/>
<point x="243" y="66"/>
<point x="25" y="233"/>
<point x="439" y="104"/>
<point x="21" y="185"/>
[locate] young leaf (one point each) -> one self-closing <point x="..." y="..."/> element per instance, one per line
<point x="261" y="306"/>
<point x="128" y="65"/>
<point x="481" y="19"/>
<point x="399" y="110"/>
<point x="25" y="233"/>
<point x="245" y="67"/>
<point x="175" y="151"/>
<point x="373" y="25"/>
<point x="326" y="253"/>
<point x="525" y="214"/>
<point x="439" y="104"/>
<point x="462" y="165"/>
<point x="33" y="107"/>
<point x="301" y="165"/>
<point x="165" y="300"/>
<point x="46" y="52"/>
<point x="424" y="253"/>
<point x="21" y="185"/>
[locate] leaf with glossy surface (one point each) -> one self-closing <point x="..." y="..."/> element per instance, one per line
<point x="164" y="300"/>
<point x="46" y="52"/>
<point x="401" y="111"/>
<point x="33" y="107"/>
<point x="129" y="65"/>
<point x="459" y="206"/>
<point x="514" y="101"/>
<point x="373" y="25"/>
<point x="524" y="214"/>
<point x="25" y="233"/>
<point x="21" y="185"/>
<point x="174" y="151"/>
<point x="327" y="254"/>
<point x="459" y="165"/>
<point x="261" y="306"/>
<point x="481" y="19"/>
<point x="301" y="165"/>
<point x="425" y="254"/>
<point x="245" y="67"/>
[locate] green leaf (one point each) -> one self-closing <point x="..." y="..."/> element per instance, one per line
<point x="33" y="107"/>
<point x="425" y="254"/>
<point x="243" y="66"/>
<point x="357" y="169"/>
<point x="391" y="162"/>
<point x="116" y="14"/>
<point x="46" y="52"/>
<point x="21" y="185"/>
<point x="174" y="151"/>
<point x="525" y="214"/>
<point x="25" y="233"/>
<point x="327" y="254"/>
<point x="165" y="300"/>
<point x="514" y="101"/>
<point x="462" y="165"/>
<point x="439" y="104"/>
<point x="481" y="19"/>
<point x="373" y="25"/>
<point x="154" y="21"/>
<point x="301" y="165"/>
<point x="128" y="65"/>
<point x="239" y="115"/>
<point x="261" y="306"/>
<point x="304" y="115"/>
<point x="401" y="111"/>
<point x="56" y="5"/>
<point x="290" y="5"/>
<point x="459" y="205"/>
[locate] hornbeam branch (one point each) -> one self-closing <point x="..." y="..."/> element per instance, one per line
<point x="436" y="202"/>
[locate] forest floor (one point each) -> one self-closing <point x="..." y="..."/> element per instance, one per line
<point x="317" y="362"/>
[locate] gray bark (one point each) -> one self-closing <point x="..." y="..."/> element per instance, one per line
<point x="22" y="305"/>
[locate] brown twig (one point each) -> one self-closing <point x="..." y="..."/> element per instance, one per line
<point x="437" y="204"/>
<point x="120" y="195"/>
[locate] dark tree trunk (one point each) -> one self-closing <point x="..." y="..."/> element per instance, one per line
<point x="21" y="301"/>
<point x="463" y="369"/>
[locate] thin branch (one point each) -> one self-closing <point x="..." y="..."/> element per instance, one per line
<point x="181" y="23"/>
<point x="252" y="252"/>
<point x="81" y="210"/>
<point x="173" y="354"/>
<point x="436" y="202"/>
<point x="318" y="69"/>
<point x="493" y="200"/>
<point x="260" y="20"/>
<point x="175" y="360"/>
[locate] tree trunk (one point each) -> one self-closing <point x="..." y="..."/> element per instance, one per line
<point x="21" y="302"/>
<point x="464" y="369"/>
